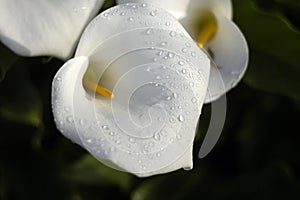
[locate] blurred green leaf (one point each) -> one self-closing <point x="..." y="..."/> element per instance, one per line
<point x="274" y="51"/>
<point x="19" y="100"/>
<point x="286" y="10"/>
<point x="268" y="34"/>
<point x="7" y="58"/>
<point x="270" y="74"/>
<point x="90" y="171"/>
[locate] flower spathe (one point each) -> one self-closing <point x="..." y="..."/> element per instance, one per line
<point x="227" y="48"/>
<point x="149" y="126"/>
<point x="38" y="28"/>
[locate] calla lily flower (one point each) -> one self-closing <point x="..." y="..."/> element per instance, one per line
<point x="133" y="93"/>
<point x="37" y="28"/>
<point x="209" y="23"/>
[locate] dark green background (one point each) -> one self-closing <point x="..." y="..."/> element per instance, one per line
<point x="257" y="156"/>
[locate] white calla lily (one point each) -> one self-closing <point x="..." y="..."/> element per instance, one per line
<point x="133" y="54"/>
<point x="36" y="28"/>
<point x="209" y="23"/>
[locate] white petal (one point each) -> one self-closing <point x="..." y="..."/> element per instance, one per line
<point x="124" y="18"/>
<point x="183" y="8"/>
<point x="149" y="127"/>
<point x="230" y="54"/>
<point x="35" y="27"/>
<point x="62" y="97"/>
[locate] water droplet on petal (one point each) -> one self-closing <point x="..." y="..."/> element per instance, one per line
<point x="111" y="133"/>
<point x="89" y="140"/>
<point x="172" y="120"/>
<point x="181" y="118"/>
<point x="171" y="55"/>
<point x="194" y="100"/>
<point x="156" y="136"/>
<point x="105" y="127"/>
<point x="82" y="122"/>
<point x="70" y="119"/>
<point x="160" y="53"/>
<point x="149" y="31"/>
<point x="163" y="44"/>
<point x="132" y="140"/>
<point x="153" y="13"/>
<point x="173" y="33"/>
<point x="181" y="63"/>
<point x="184" y="50"/>
<point x="130" y="19"/>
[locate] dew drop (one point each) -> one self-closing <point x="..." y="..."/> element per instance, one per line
<point x="153" y="13"/>
<point x="181" y="63"/>
<point x="67" y="109"/>
<point x="89" y="141"/>
<point x="172" y="120"/>
<point x="130" y="19"/>
<point x="187" y="44"/>
<point x="181" y="118"/>
<point x="105" y="14"/>
<point x="158" y="155"/>
<point x="112" y="149"/>
<point x="134" y="6"/>
<point x="194" y="100"/>
<point x="183" y="71"/>
<point x="149" y="31"/>
<point x="118" y="142"/>
<point x="122" y="14"/>
<point x="144" y="5"/>
<point x="158" y="77"/>
<point x="184" y="50"/>
<point x="111" y="133"/>
<point x="105" y="127"/>
<point x="132" y="140"/>
<point x="58" y="78"/>
<point x="163" y="44"/>
<point x="193" y="54"/>
<point x="173" y="33"/>
<point x="171" y="55"/>
<point x="70" y="119"/>
<point x="82" y="122"/>
<point x="167" y="24"/>
<point x="156" y="136"/>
